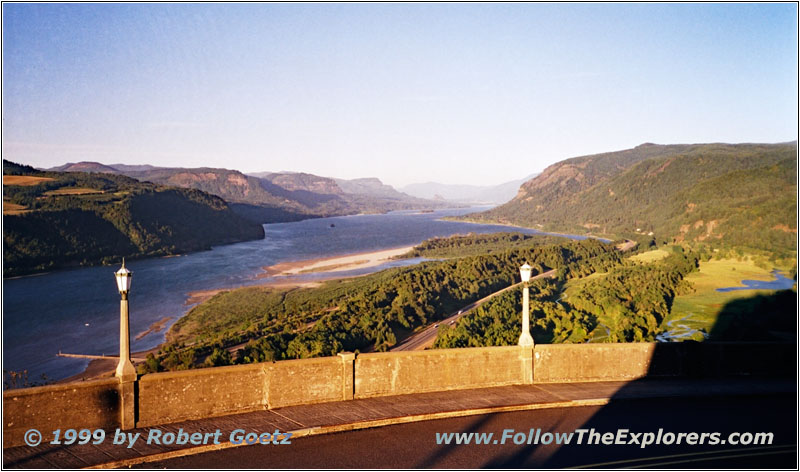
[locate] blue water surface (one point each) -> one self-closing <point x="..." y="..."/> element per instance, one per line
<point x="781" y="282"/>
<point x="77" y="310"/>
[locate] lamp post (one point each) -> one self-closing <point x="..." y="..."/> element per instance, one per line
<point x="525" y="338"/>
<point x="125" y="370"/>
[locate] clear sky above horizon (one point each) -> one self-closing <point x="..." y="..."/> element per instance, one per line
<point x="453" y="93"/>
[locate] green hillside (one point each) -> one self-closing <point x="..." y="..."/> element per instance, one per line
<point x="722" y="195"/>
<point x="57" y="219"/>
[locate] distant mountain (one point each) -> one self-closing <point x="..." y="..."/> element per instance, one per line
<point x="342" y="196"/>
<point x="726" y="194"/>
<point x="132" y="168"/>
<point x="231" y="185"/>
<point x="467" y="193"/>
<point x="61" y="219"/>
<point x="300" y="181"/>
<point x="269" y="197"/>
<point x="370" y="186"/>
<point x="85" y="167"/>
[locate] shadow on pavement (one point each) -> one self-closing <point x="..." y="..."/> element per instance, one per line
<point x="752" y="342"/>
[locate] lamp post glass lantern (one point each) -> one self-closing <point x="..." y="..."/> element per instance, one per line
<point x="124" y="277"/>
<point x="525" y="338"/>
<point x="125" y="370"/>
<point x="525" y="272"/>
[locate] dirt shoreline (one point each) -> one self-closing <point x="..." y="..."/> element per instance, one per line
<point x="102" y="368"/>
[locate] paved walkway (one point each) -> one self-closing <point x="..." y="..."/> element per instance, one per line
<point x="332" y="417"/>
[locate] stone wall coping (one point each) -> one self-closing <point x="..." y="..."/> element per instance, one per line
<point x="447" y="352"/>
<point x="682" y="343"/>
<point x="594" y="345"/>
<point x="86" y="384"/>
<point x="310" y="360"/>
<point x="155" y="377"/>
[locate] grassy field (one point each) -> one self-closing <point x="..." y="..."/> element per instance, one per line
<point x="650" y="256"/>
<point x="24" y="180"/>
<point x="73" y="191"/>
<point x="700" y="309"/>
<point x="14" y="208"/>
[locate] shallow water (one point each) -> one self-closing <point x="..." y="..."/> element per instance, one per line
<point x="781" y="282"/>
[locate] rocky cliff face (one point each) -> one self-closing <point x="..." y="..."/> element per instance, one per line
<point x="369" y="186"/>
<point x="307" y="182"/>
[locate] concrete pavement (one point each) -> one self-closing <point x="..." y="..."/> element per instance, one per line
<point x="322" y="418"/>
<point x="435" y="444"/>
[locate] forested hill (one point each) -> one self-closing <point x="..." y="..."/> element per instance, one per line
<point x="735" y="195"/>
<point x="60" y="219"/>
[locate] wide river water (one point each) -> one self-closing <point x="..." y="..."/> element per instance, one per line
<point x="77" y="310"/>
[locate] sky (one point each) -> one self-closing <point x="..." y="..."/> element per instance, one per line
<point x="470" y="93"/>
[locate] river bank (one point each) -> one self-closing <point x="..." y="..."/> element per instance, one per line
<point x="101" y="368"/>
<point x="537" y="230"/>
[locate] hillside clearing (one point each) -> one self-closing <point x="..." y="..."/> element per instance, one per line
<point x="24" y="180"/>
<point x="650" y="256"/>
<point x="72" y="191"/>
<point x="14" y="208"/>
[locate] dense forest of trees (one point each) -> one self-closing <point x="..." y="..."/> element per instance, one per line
<point x="475" y="244"/>
<point x="79" y="218"/>
<point x="365" y="313"/>
<point x="626" y="304"/>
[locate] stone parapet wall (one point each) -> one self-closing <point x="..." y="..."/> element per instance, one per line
<point x="630" y="361"/>
<point x="91" y="404"/>
<point x="177" y="396"/>
<point x="397" y="373"/>
<point x="168" y="397"/>
<point x="304" y="381"/>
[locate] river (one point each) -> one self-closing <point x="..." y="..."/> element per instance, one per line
<point x="77" y="310"/>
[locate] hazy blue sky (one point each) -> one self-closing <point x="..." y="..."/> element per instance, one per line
<point x="456" y="93"/>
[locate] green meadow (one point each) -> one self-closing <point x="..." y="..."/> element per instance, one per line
<point x="699" y="309"/>
<point x="650" y="256"/>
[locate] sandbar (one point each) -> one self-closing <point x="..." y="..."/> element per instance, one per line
<point x="155" y="327"/>
<point x="335" y="264"/>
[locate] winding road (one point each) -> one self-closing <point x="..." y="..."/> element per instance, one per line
<point x="425" y="338"/>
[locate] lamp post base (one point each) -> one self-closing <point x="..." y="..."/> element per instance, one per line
<point x="526" y="340"/>
<point x="125" y="371"/>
